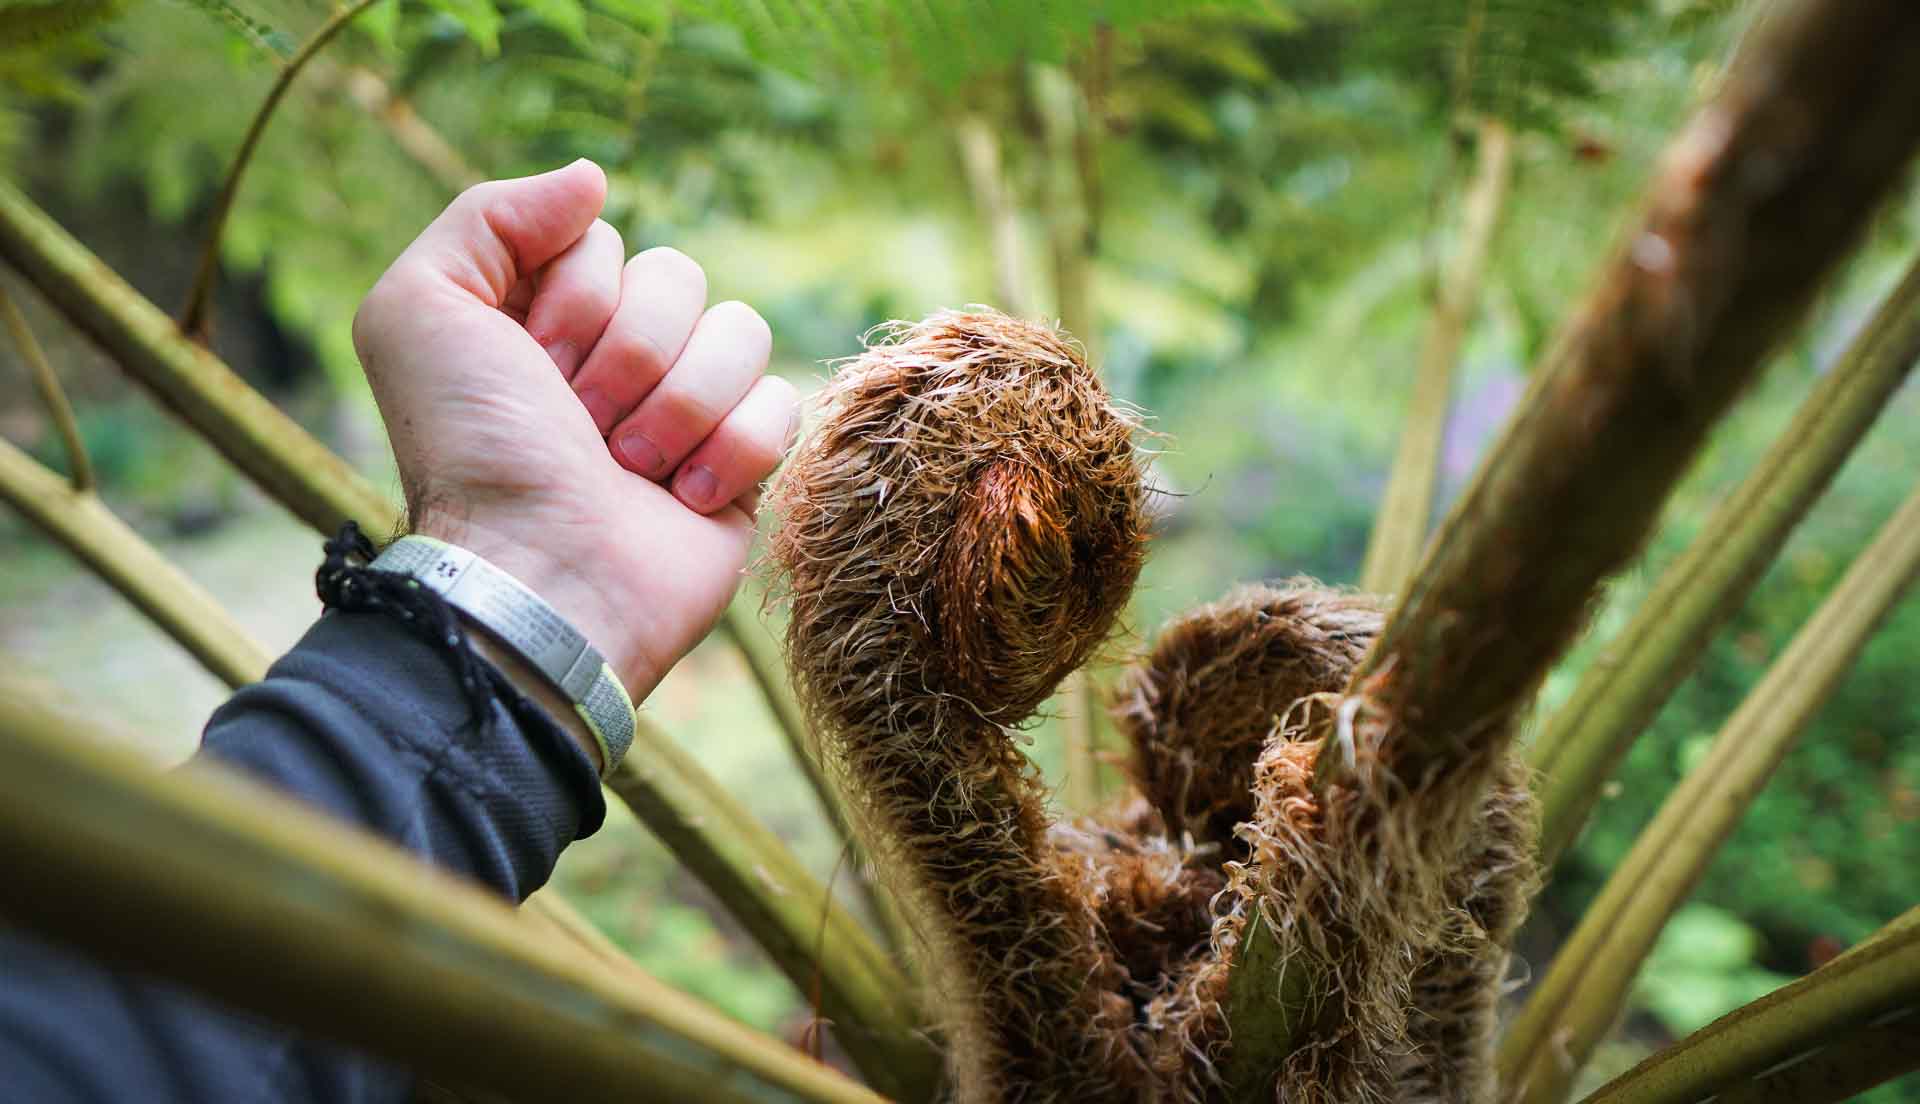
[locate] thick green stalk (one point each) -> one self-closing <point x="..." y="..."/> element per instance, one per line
<point x="47" y="382"/>
<point x="821" y="949"/>
<point x="1840" y="1018"/>
<point x="692" y="812"/>
<point x="179" y="606"/>
<point x="368" y="945"/>
<point x="267" y="446"/>
<point x="1624" y="688"/>
<point x="758" y="651"/>
<point x="761" y="655"/>
<point x="1268" y="1004"/>
<point x="1581" y="995"/>
<point x="1866" y="1056"/>
<point x="171" y="600"/>
<point x="1750" y="210"/>
<point x="194" y="319"/>
<point x="1069" y="110"/>
<point x="978" y="146"/>
<point x="1400" y="531"/>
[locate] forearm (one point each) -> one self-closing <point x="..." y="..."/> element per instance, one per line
<point x="370" y="723"/>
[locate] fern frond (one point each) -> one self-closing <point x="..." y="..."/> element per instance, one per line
<point x="33" y="24"/>
<point x="1513" y="59"/>
<point x="944" y="40"/>
<point x="256" y="31"/>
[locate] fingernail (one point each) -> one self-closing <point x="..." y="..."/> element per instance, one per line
<point x="599" y="406"/>
<point x="695" y="485"/>
<point x="640" y="454"/>
<point x="564" y="356"/>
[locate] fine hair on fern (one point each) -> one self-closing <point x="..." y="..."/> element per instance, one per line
<point x="962" y="529"/>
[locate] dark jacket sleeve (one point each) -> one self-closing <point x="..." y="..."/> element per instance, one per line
<point x="370" y="724"/>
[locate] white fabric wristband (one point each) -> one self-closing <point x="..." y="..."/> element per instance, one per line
<point x="520" y="620"/>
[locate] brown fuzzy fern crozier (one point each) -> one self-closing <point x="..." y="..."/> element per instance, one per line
<point x="963" y="530"/>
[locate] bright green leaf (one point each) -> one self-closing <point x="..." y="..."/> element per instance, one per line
<point x="479" y="18"/>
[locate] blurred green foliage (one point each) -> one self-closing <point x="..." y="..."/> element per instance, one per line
<point x="1274" y="184"/>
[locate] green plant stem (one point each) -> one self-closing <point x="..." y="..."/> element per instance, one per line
<point x="760" y="653"/>
<point x="84" y="525"/>
<point x="1400" y="532"/>
<point x="756" y="650"/>
<point x="1068" y="106"/>
<point x="1678" y="323"/>
<point x="47" y="382"/>
<point x="1865" y="1057"/>
<point x="978" y="146"/>
<point x="267" y="446"/>
<point x="1582" y="993"/>
<point x="411" y="134"/>
<point x="821" y="949"/>
<point x="194" y="318"/>
<point x="1268" y="1001"/>
<point x="1836" y="1019"/>
<point x="1624" y="688"/>
<point x="369" y="946"/>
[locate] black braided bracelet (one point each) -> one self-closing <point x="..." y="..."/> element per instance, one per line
<point x="345" y="582"/>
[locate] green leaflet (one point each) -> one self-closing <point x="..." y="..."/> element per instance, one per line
<point x="479" y="18"/>
<point x="946" y="40"/>
<point x="569" y="17"/>
<point x="34" y="22"/>
<point x="261" y="34"/>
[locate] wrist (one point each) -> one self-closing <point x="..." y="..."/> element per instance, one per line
<point x="563" y="580"/>
<point x="495" y="603"/>
<point x="536" y="687"/>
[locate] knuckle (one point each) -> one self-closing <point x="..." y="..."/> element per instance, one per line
<point x="681" y="413"/>
<point x="478" y="197"/>
<point x="738" y="316"/>
<point x="634" y="353"/>
<point x="604" y="231"/>
<point x="370" y="320"/>
<point x="671" y="264"/>
<point x="781" y="392"/>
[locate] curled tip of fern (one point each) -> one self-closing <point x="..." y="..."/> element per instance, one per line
<point x="976" y="490"/>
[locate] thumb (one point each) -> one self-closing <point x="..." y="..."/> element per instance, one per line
<point x="500" y="231"/>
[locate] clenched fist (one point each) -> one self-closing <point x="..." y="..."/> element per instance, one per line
<point x="583" y="421"/>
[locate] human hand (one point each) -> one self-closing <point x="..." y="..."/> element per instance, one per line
<point x="590" y="427"/>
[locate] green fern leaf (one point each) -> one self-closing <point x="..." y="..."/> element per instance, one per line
<point x="566" y="16"/>
<point x="479" y="18"/>
<point x="262" y="34"/>
<point x="34" y="23"/>
<point x="946" y="40"/>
